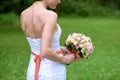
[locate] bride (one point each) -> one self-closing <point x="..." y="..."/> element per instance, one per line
<point x="40" y="27"/>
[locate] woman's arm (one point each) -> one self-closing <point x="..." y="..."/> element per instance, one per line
<point x="47" y="36"/>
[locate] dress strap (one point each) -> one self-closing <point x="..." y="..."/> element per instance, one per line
<point x="37" y="61"/>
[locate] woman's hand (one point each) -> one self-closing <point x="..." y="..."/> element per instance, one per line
<point x="69" y="58"/>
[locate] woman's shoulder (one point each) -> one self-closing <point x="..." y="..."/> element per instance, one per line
<point x="27" y="11"/>
<point x="51" y="14"/>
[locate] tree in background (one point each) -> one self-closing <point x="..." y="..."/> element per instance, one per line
<point x="72" y="7"/>
<point x="14" y="5"/>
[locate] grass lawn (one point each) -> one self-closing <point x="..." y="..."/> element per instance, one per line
<point x="103" y="64"/>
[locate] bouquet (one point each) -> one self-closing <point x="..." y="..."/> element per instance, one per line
<point x="80" y="45"/>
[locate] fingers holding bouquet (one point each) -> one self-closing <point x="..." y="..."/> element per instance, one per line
<point x="65" y="50"/>
<point x="69" y="58"/>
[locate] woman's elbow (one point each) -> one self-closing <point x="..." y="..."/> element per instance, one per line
<point x="46" y="52"/>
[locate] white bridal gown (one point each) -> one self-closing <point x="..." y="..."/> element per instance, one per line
<point x="49" y="70"/>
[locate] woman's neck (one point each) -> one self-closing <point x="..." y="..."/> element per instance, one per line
<point x="41" y="4"/>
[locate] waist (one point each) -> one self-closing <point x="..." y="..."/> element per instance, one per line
<point x="36" y="52"/>
<point x="36" y="49"/>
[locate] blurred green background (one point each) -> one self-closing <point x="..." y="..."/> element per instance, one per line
<point x="98" y="19"/>
<point x="82" y="8"/>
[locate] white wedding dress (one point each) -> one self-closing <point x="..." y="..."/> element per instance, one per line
<point x="49" y="70"/>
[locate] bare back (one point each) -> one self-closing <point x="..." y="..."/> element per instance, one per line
<point x="32" y="21"/>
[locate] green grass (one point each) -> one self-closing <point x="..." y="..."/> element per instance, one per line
<point x="103" y="64"/>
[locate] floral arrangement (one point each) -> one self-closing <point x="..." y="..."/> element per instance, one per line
<point x="80" y="45"/>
